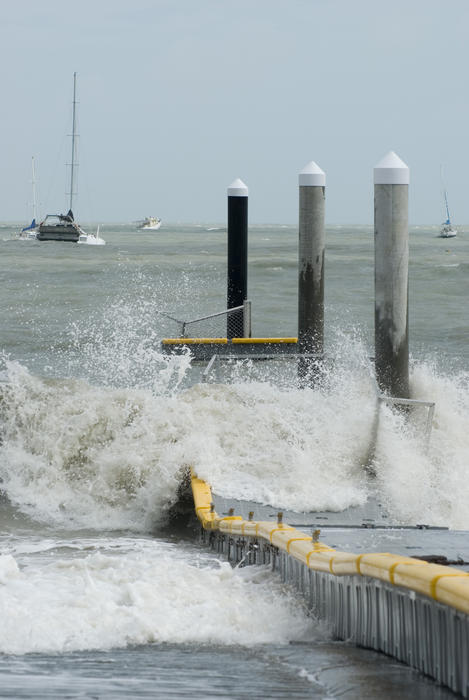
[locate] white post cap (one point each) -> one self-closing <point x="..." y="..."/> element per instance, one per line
<point x="237" y="189"/>
<point x="391" y="170"/>
<point x="312" y="176"/>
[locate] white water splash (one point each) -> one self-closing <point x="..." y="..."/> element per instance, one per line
<point x="78" y="455"/>
<point x="151" y="592"/>
<point x="114" y="458"/>
<point x="428" y="486"/>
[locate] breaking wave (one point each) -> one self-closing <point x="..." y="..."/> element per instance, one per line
<point x="104" y="457"/>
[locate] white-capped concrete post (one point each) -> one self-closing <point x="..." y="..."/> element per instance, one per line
<point x="237" y="256"/>
<point x="312" y="195"/>
<point x="391" y="184"/>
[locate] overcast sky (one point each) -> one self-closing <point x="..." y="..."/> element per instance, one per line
<point x="177" y="98"/>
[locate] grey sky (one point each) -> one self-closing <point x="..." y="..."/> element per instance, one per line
<point x="179" y="97"/>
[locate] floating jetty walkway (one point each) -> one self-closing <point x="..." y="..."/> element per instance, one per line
<point x="401" y="590"/>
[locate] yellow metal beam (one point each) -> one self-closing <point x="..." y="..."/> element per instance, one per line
<point x="224" y="341"/>
<point x="260" y="341"/>
<point x="194" y="341"/>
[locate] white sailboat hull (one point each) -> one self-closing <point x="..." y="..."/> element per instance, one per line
<point x="448" y="232"/>
<point x="90" y="239"/>
<point x="453" y="234"/>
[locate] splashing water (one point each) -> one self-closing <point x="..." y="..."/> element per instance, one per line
<point x="118" y="344"/>
<point x="140" y="591"/>
<point x="428" y="486"/>
<point x="88" y="456"/>
<point x="114" y="458"/>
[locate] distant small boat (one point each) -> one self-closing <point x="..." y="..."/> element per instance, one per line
<point x="91" y="238"/>
<point x="150" y="223"/>
<point x="447" y="229"/>
<point x="28" y="232"/>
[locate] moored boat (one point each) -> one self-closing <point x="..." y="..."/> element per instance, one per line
<point x="59" y="227"/>
<point x="150" y="223"/>
<point x="91" y="238"/>
<point x="28" y="232"/>
<point x="447" y="229"/>
<point x="63" y="227"/>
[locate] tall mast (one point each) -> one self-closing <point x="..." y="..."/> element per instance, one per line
<point x="445" y="195"/>
<point x="447" y="209"/>
<point x="74" y="135"/>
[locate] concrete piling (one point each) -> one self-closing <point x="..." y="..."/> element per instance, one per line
<point x="312" y="182"/>
<point x="237" y="282"/>
<point x="391" y="185"/>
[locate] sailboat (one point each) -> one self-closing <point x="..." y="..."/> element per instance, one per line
<point x="447" y="229"/>
<point x="63" y="227"/>
<point x="30" y="232"/>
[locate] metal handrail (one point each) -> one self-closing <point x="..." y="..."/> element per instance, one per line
<point x="414" y="402"/>
<point x="247" y="320"/>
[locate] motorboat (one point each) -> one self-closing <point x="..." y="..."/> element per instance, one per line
<point x="150" y="223"/>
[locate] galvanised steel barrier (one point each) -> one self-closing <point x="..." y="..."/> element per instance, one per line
<point x="407" y="608"/>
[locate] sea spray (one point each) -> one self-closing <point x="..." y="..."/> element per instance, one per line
<point x="100" y="457"/>
<point x="86" y="456"/>
<point x="119" y="343"/>
<point x="114" y="458"/>
<point x="428" y="485"/>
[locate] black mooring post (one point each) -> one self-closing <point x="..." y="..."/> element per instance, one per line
<point x="237" y="256"/>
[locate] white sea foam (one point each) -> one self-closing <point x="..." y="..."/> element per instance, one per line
<point x="8" y="568"/>
<point x="428" y="486"/>
<point x="87" y="456"/>
<point x="151" y="592"/>
<point x="95" y="457"/>
<point x="78" y="455"/>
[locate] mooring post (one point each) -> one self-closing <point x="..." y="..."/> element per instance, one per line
<point x="237" y="256"/>
<point x="391" y="184"/>
<point x="312" y="189"/>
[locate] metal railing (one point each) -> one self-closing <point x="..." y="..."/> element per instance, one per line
<point x="237" y="319"/>
<point x="413" y="402"/>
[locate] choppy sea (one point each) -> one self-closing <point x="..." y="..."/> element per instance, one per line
<point x="100" y="597"/>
